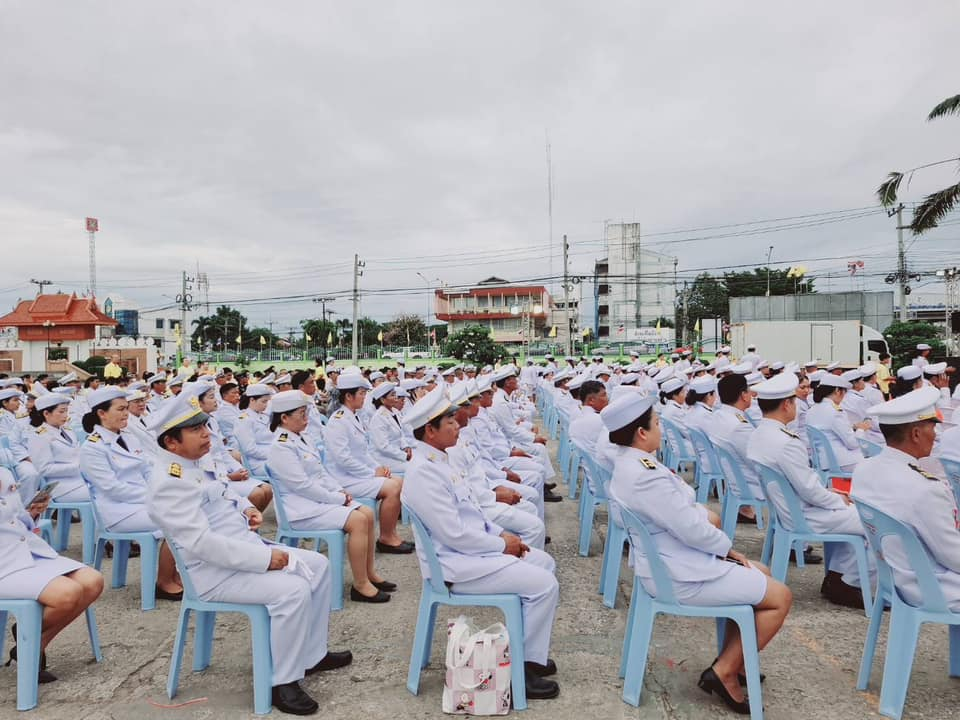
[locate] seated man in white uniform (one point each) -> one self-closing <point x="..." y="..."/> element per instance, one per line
<point x="703" y="567"/>
<point x="387" y="441"/>
<point x="350" y="463"/>
<point x="773" y="445"/>
<point x="214" y="531"/>
<point x="476" y="555"/>
<point x="498" y="502"/>
<point x="828" y="416"/>
<point x="894" y="483"/>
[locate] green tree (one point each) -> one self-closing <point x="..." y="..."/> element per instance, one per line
<point x="368" y="329"/>
<point x="665" y="322"/>
<point x="474" y="344"/>
<point x="938" y="204"/>
<point x="405" y="330"/>
<point x="220" y="329"/>
<point x="754" y="282"/>
<point x="904" y="337"/>
<point x="706" y="298"/>
<point x="251" y="339"/>
<point x="319" y="331"/>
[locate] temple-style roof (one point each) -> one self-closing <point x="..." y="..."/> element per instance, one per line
<point x="60" y="308"/>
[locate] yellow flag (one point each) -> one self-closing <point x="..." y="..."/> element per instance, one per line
<point x="263" y="340"/>
<point x="329" y="337"/>
<point x="696" y="327"/>
<point x="239" y="339"/>
<point x="380" y="336"/>
<point x="586" y="332"/>
<point x="553" y="331"/>
<point x="658" y="324"/>
<point x="309" y="338"/>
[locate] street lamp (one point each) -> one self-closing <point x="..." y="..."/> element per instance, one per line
<point x="951" y="284"/>
<point x="427" y="316"/>
<point x="525" y="321"/>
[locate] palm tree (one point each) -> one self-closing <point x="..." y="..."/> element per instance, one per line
<point x="935" y="206"/>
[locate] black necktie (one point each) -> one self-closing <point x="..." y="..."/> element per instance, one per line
<point x="65" y="436"/>
<point x="122" y="443"/>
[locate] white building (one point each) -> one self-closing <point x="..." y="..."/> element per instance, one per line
<point x="633" y="286"/>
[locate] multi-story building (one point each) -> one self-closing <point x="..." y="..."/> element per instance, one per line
<point x="633" y="286"/>
<point x="513" y="313"/>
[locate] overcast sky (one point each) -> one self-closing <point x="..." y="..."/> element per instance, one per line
<point x="269" y="142"/>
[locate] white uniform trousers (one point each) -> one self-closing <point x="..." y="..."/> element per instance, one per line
<point x="299" y="611"/>
<point x="532" y="579"/>
<point x="840" y="556"/>
<point x="521" y="520"/>
<point x="542" y="454"/>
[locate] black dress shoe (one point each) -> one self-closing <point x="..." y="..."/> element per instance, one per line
<point x="550" y="496"/>
<point x="541" y="670"/>
<point x="332" y="661"/>
<point x="742" y="679"/>
<point x="710" y="683"/>
<point x="164" y="595"/>
<point x="835" y="590"/>
<point x="404" y="548"/>
<point x="385" y="585"/>
<point x="810" y="557"/>
<point x="357" y="596"/>
<point x="746" y="519"/>
<point x="549" y="485"/>
<point x="291" y="698"/>
<point x="44" y="676"/>
<point x="539" y="688"/>
<point x="547" y="540"/>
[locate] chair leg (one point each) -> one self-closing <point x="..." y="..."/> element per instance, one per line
<point x="703" y="485"/>
<point x="99" y="553"/>
<point x="728" y="515"/>
<point x="149" y="563"/>
<point x="262" y="662"/>
<point x="751" y="665"/>
<point x="204" y="624"/>
<point x="335" y="554"/>
<point x="587" y="508"/>
<point x="29" y="622"/>
<point x="422" y="637"/>
<point x="121" y="553"/>
<point x="514" y="622"/>
<point x="62" y="534"/>
<point x="612" y="552"/>
<point x="628" y="631"/>
<point x="781" y="556"/>
<point x="863" y="568"/>
<point x="94" y="634"/>
<point x="176" y="657"/>
<point x="901" y="647"/>
<point x="88" y="526"/>
<point x="767" y="550"/>
<point x="637" y="653"/>
<point x="870" y="643"/>
<point x="954" y="650"/>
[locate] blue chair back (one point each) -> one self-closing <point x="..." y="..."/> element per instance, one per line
<point x="704" y="449"/>
<point x="868" y="448"/>
<point x="282" y="522"/>
<point x="772" y="479"/>
<point x="189" y="590"/>
<point x="952" y="469"/>
<point x="733" y="473"/>
<point x="639" y="535"/>
<point x="879" y="525"/>
<point x="4" y="442"/>
<point x="425" y="544"/>
<point x="597" y="475"/>
<point x="822" y="451"/>
<point x="676" y="439"/>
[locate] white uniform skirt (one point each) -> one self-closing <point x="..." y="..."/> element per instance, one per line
<point x="362" y="487"/>
<point x="27" y="584"/>
<point x="331" y="517"/>
<point x="738" y="586"/>
<point x="243" y="488"/>
<point x="140" y="521"/>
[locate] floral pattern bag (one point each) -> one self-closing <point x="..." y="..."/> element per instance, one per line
<point x="478" y="669"/>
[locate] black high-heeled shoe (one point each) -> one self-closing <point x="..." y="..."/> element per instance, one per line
<point x="44" y="676"/>
<point x="710" y="683"/>
<point x="741" y="678"/>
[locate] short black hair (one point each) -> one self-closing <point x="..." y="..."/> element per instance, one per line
<point x="591" y="387"/>
<point x="624" y="436"/>
<point x="769" y="406"/>
<point x="227" y="387"/>
<point x="822" y="391"/>
<point x="421" y="431"/>
<point x="299" y="378"/>
<point x="731" y="387"/>
<point x="175" y="433"/>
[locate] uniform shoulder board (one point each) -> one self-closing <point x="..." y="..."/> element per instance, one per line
<point x="648" y="463"/>
<point x="741" y="418"/>
<point x="93" y="437"/>
<point x="431" y="457"/>
<point x="22" y="415"/>
<point x="242" y="416"/>
<point x="40" y="430"/>
<point x="837" y="408"/>
<point x="282" y="437"/>
<point x="338" y="414"/>
<point x="928" y="476"/>
<point x="175" y="470"/>
<point x="791" y="434"/>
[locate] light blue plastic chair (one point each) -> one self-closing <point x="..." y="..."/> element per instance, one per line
<point x="149" y="556"/>
<point x="88" y="526"/>
<point x="905" y="619"/>
<point x="573" y="470"/>
<point x="681" y="452"/>
<point x="705" y="479"/>
<point x="616" y="537"/>
<point x="333" y="539"/>
<point x="952" y="469"/>
<point x="206" y="616"/>
<point x="793" y="537"/>
<point x="591" y="497"/>
<point x="822" y="452"/>
<point x="645" y="607"/>
<point x="738" y="494"/>
<point x="868" y="448"/>
<point x="29" y="614"/>
<point x="563" y="449"/>
<point x="435" y="592"/>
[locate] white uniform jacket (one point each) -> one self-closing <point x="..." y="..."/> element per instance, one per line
<point x="835" y="424"/>
<point x="18" y="542"/>
<point x="347" y="453"/>
<point x="300" y="478"/>
<point x="731" y="429"/>
<point x="55" y="453"/>
<point x="700" y="417"/>
<point x="691" y="548"/>
<point x="254" y="439"/>
<point x="387" y="441"/>
<point x="227" y="415"/>
<point x="146" y="440"/>
<point x="117" y="477"/>
<point x="468" y="546"/>
<point x="204" y="518"/>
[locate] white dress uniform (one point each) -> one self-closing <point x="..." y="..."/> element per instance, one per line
<point x="226" y="463"/>
<point x="348" y="457"/>
<point x="387" y="441"/>
<point x="531" y="485"/>
<point x="228" y="562"/>
<point x="677" y="414"/>
<point x="27" y="563"/>
<point x="496" y="448"/>
<point x="520" y="437"/>
<point x="227" y="415"/>
<point x="117" y="478"/>
<point x="154" y="400"/>
<point x="691" y="548"/>
<point x="950" y="444"/>
<point x="11" y="427"/>
<point x="772" y="444"/>
<point x="254" y="439"/>
<point x="894" y="483"/>
<point x="521" y="519"/>
<point x="732" y="430"/>
<point x="55" y="453"/>
<point x="311" y="498"/>
<point x="586" y="432"/>
<point x="470" y="548"/>
<point x="137" y="427"/>
<point x="700" y="417"/>
<point x="830" y="418"/>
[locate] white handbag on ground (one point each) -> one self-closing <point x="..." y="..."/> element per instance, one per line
<point x="478" y="669"/>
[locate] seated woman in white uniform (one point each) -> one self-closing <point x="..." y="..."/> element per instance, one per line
<point x="252" y="429"/>
<point x="117" y="474"/>
<point x="828" y="416"/>
<point x="314" y="501"/>
<point x="387" y="441"/>
<point x="673" y="407"/>
<point x="704" y="568"/>
<point x="54" y="449"/>
<point x="32" y="570"/>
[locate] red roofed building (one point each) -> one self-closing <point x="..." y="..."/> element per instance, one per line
<point x="513" y="313"/>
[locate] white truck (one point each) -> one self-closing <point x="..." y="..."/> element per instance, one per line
<point x="848" y="341"/>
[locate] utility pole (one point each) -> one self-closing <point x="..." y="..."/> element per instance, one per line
<point x="40" y="283"/>
<point x="184" y="299"/>
<point x="323" y="318"/>
<point x="566" y="294"/>
<point x="357" y="272"/>
<point x="683" y="315"/>
<point x="901" y="265"/>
